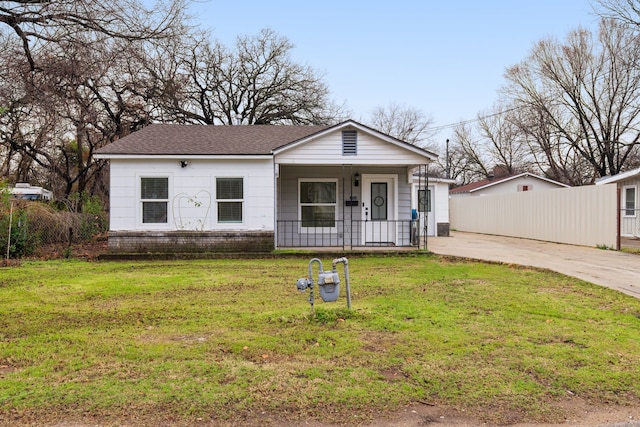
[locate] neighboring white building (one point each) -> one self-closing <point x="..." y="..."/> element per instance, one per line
<point x="628" y="184"/>
<point x="506" y="184"/>
<point x="255" y="188"/>
<point x="432" y="205"/>
<point x="27" y="191"/>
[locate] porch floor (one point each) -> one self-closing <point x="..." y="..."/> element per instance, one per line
<point x="323" y="249"/>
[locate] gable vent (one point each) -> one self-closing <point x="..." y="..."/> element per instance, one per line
<point x="349" y="142"/>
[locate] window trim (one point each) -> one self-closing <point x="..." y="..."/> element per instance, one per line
<point x="303" y="229"/>
<point x="625" y="209"/>
<point x="141" y="201"/>
<point x="218" y="201"/>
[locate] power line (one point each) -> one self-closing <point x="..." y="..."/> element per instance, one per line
<point x="477" y="119"/>
<point x="598" y="77"/>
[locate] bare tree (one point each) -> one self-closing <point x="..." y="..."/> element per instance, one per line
<point x="255" y="83"/>
<point x="36" y="22"/>
<point x="503" y="140"/>
<point x="627" y="11"/>
<point x="550" y="153"/>
<point x="79" y="100"/>
<point x="405" y="123"/>
<point x="69" y="83"/>
<point x="493" y="143"/>
<point x="587" y="91"/>
<point x="468" y="159"/>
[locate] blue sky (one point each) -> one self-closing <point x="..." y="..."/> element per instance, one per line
<point x="446" y="58"/>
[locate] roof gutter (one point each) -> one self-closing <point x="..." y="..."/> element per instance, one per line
<point x="184" y="155"/>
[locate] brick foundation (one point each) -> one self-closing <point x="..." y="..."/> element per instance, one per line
<point x="190" y="241"/>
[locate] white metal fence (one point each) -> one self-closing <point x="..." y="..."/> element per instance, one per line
<point x="580" y="215"/>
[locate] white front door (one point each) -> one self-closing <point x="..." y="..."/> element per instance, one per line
<point x="379" y="209"/>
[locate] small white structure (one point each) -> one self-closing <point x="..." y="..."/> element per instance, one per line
<point x="26" y="191"/>
<point x="628" y="183"/>
<point x="430" y="201"/>
<point x="506" y="184"/>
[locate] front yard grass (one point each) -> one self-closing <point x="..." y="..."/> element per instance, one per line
<point x="225" y="340"/>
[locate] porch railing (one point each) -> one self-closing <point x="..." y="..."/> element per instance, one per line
<point x="348" y="233"/>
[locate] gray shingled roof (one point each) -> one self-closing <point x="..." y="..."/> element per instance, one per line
<point x="171" y="139"/>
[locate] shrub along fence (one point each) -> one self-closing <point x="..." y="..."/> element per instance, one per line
<point x="25" y="225"/>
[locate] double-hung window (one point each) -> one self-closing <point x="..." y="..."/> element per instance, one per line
<point x="230" y="199"/>
<point x="318" y="202"/>
<point x="154" y="196"/>
<point x="629" y="202"/>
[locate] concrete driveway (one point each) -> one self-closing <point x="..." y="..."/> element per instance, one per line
<point x="613" y="269"/>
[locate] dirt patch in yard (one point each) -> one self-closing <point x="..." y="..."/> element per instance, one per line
<point x="578" y="413"/>
<point x="88" y="250"/>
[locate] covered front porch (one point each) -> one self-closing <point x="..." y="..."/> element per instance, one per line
<point x="345" y="206"/>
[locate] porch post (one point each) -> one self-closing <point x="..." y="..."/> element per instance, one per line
<point x="429" y="203"/>
<point x="342" y="205"/>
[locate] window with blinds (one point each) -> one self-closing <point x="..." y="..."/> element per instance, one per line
<point x="230" y="199"/>
<point x="154" y="197"/>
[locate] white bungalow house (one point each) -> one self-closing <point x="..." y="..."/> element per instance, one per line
<point x="628" y="199"/>
<point x="506" y="184"/>
<point x="256" y="188"/>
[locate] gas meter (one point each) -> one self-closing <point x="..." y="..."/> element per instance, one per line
<point x="328" y="281"/>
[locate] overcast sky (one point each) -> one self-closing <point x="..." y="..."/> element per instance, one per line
<point x="446" y="58"/>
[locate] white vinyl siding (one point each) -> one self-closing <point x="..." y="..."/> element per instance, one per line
<point x="629" y="213"/>
<point x="328" y="150"/>
<point x="192" y="193"/>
